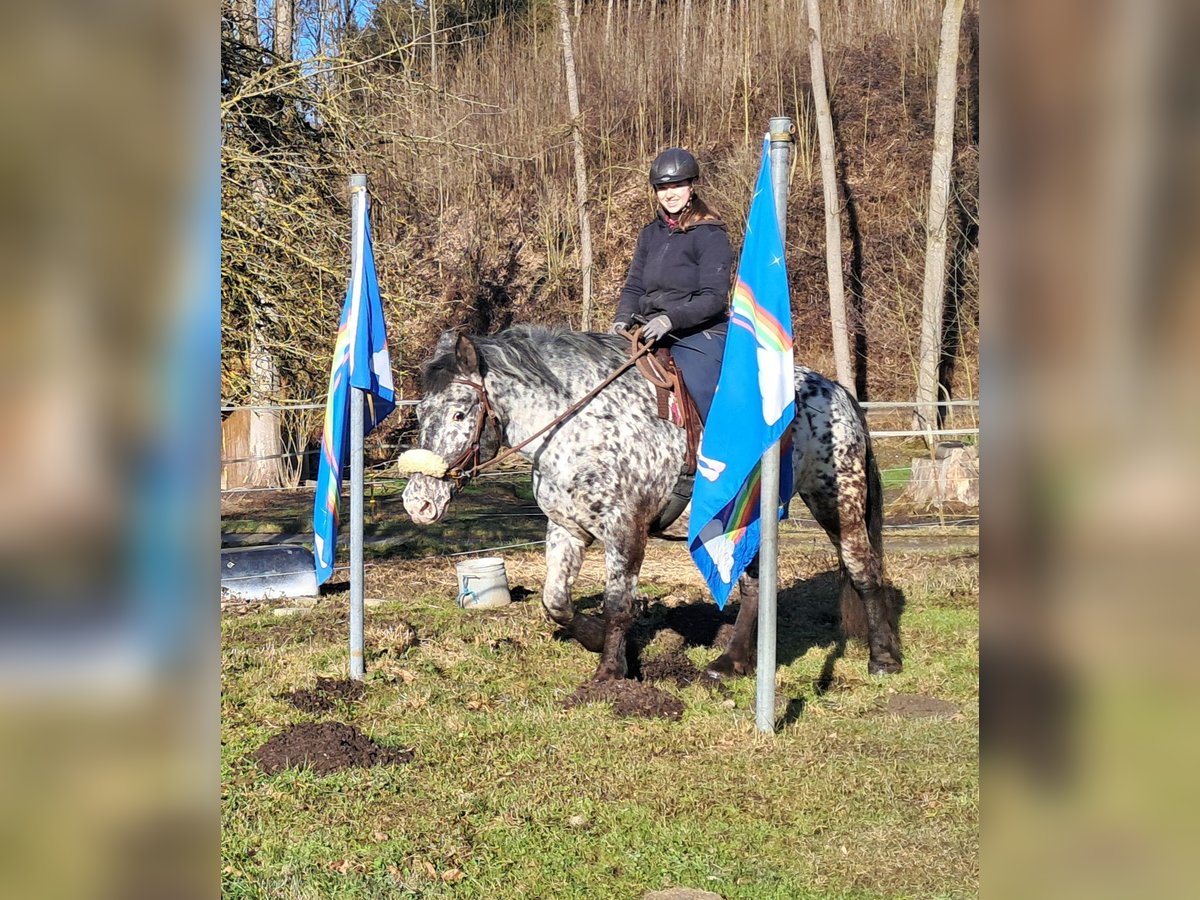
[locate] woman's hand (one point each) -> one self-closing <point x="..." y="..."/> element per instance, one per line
<point x="656" y="329"/>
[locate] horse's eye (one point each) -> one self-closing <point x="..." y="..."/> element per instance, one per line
<point x="459" y="416"/>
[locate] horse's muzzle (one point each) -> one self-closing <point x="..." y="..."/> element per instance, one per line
<point x="426" y="499"/>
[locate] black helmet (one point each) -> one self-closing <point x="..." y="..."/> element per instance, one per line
<point x="673" y="165"/>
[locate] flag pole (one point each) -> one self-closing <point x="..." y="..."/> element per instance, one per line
<point x="780" y="128"/>
<point x="358" y="207"/>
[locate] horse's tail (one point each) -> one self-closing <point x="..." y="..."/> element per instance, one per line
<point x="853" y="610"/>
<point x="874" y="497"/>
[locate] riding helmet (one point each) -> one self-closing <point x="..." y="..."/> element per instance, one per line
<point x="673" y="165"/>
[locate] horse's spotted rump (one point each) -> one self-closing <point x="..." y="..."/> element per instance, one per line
<point x="607" y="471"/>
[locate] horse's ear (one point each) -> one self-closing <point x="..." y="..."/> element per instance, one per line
<point x="466" y="355"/>
<point x="446" y="343"/>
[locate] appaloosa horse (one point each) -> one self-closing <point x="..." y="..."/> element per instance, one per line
<point x="607" y="470"/>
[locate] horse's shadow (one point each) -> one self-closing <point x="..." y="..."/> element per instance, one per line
<point x="806" y="616"/>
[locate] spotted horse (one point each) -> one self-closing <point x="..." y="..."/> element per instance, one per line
<point x="606" y="471"/>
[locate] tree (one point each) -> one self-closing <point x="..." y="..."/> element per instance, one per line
<point x="285" y="21"/>
<point x="934" y="291"/>
<point x="833" y="218"/>
<point x="581" y="189"/>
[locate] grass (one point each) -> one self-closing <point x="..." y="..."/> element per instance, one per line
<point x="510" y="795"/>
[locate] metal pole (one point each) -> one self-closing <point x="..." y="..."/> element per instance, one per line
<point x="358" y="206"/>
<point x="768" y="558"/>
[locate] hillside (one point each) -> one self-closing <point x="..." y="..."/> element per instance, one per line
<point x="465" y="139"/>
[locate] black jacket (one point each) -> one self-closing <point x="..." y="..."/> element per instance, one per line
<point x="685" y="274"/>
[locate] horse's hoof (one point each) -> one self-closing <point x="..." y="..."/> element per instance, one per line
<point x="725" y="666"/>
<point x="891" y="667"/>
<point x="609" y="673"/>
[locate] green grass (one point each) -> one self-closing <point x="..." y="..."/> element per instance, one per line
<point x="897" y="477"/>
<point x="510" y="795"/>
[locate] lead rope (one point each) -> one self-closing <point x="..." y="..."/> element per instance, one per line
<point x="642" y="350"/>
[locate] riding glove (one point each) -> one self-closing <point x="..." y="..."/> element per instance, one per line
<point x="656" y="329"/>
<point x="619" y="328"/>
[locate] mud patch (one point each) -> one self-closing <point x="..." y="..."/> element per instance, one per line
<point x="324" y="696"/>
<point x="325" y="747"/>
<point x="628" y="698"/>
<point x="918" y="706"/>
<point x="672" y="667"/>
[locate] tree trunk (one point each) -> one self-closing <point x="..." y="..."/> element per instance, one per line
<point x="585" y="229"/>
<point x="933" y="295"/>
<point x="245" y="14"/>
<point x="433" y="62"/>
<point x="264" y="441"/>
<point x="285" y="19"/>
<point x="833" y="217"/>
<point x="264" y="444"/>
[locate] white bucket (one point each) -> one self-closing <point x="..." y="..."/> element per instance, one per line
<point x="482" y="583"/>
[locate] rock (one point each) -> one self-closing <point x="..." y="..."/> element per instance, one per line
<point x="682" y="893"/>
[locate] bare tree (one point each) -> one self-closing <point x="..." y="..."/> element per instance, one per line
<point x="581" y="189"/>
<point x="833" y="218"/>
<point x="246" y="16"/>
<point x="433" y="60"/>
<point x="933" y="294"/>
<point x="285" y="23"/>
<point x="263" y="438"/>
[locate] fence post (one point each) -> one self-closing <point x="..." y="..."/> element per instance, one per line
<point x="358" y="207"/>
<point x="780" y="129"/>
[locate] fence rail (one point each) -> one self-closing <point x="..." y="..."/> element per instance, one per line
<point x="870" y="406"/>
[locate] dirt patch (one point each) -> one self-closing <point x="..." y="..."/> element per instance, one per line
<point x="325" y="747"/>
<point x="918" y="706"/>
<point x="628" y="698"/>
<point x="323" y="697"/>
<point x="671" y="667"/>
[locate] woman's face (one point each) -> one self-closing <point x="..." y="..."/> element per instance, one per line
<point x="674" y="197"/>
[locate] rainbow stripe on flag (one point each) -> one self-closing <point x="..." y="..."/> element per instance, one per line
<point x="753" y="407"/>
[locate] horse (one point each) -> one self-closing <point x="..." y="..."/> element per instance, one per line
<point x="607" y="470"/>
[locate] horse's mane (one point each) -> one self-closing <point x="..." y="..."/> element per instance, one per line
<point x="522" y="351"/>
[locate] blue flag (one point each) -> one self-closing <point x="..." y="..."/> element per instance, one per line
<point x="360" y="360"/>
<point x="753" y="407"/>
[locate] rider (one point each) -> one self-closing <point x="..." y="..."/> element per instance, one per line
<point x="678" y="281"/>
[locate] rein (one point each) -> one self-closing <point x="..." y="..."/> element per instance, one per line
<point x="485" y="412"/>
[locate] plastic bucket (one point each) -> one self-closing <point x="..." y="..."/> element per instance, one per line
<point x="482" y="583"/>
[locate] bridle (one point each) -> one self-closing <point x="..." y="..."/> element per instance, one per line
<point x="455" y="470"/>
<point x="459" y="472"/>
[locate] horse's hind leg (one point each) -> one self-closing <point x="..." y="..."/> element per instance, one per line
<point x="564" y="556"/>
<point x="853" y="526"/>
<point x="741" y="655"/>
<point x="864" y="591"/>
<point x="623" y="557"/>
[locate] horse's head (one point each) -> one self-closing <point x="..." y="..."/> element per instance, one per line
<point x="455" y="422"/>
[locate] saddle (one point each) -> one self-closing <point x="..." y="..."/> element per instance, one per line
<point x="675" y="404"/>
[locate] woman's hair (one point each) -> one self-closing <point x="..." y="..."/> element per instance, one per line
<point x="697" y="212"/>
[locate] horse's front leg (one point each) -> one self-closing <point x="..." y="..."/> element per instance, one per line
<point x="623" y="561"/>
<point x="742" y="654"/>
<point x="564" y="556"/>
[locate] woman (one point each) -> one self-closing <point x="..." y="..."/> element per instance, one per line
<point x="678" y="281"/>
